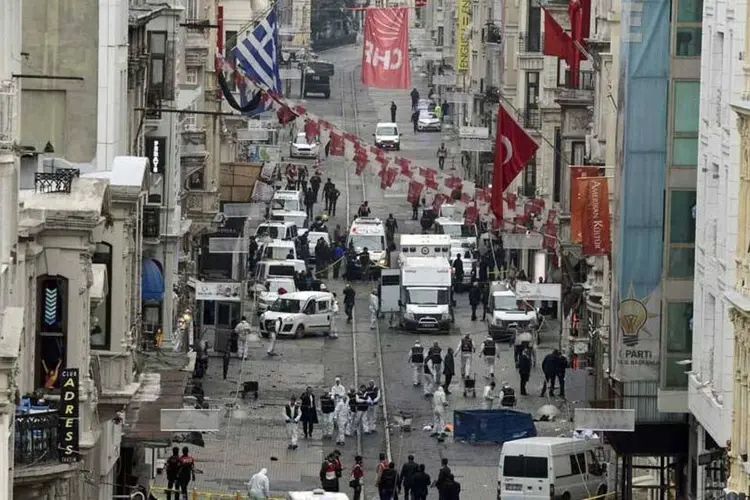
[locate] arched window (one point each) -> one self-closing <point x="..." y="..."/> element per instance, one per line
<point x="52" y="330"/>
<point x="101" y="312"/>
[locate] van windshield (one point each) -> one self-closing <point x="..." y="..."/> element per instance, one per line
<point x="427" y="296"/>
<point x="386" y="131"/>
<point x="459" y="231"/>
<point x="280" y="270"/>
<point x="289" y="205"/>
<point x="270" y="231"/>
<point x="532" y="467"/>
<point x="373" y="242"/>
<point x="505" y="303"/>
<point x="286" y="306"/>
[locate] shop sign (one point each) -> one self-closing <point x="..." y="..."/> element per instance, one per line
<point x="69" y="433"/>
<point x="156" y="152"/>
<point x="522" y="241"/>
<point x="537" y="291"/>
<point x="226" y="292"/>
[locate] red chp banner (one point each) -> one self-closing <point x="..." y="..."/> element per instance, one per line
<point x="385" y="56"/>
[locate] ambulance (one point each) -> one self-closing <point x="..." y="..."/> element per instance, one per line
<point x="425" y="299"/>
<point x="424" y="245"/>
<point x="369" y="233"/>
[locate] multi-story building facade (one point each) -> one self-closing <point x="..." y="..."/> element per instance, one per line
<point x="654" y="234"/>
<point x="739" y="295"/>
<point x="718" y="174"/>
<point x="11" y="309"/>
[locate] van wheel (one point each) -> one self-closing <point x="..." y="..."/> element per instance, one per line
<point x="602" y="490"/>
<point x="566" y="496"/>
<point x="299" y="332"/>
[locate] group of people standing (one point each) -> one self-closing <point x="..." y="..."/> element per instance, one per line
<point x="343" y="412"/>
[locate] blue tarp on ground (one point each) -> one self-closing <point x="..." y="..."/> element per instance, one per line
<point x="492" y="426"/>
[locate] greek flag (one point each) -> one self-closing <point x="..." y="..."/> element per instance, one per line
<point x="257" y="53"/>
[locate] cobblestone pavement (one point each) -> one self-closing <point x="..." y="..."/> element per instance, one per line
<point x="253" y="435"/>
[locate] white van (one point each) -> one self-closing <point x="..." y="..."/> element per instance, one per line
<point x="424" y="245"/>
<point x="541" y="468"/>
<point x="369" y="232"/>
<point x="425" y="299"/>
<point x="277" y="230"/>
<point x="387" y="136"/>
<point x="277" y="249"/>
<point x="301" y="313"/>
<point x="288" y="206"/>
<point x="278" y="269"/>
<point x="457" y="230"/>
<point x="315" y="495"/>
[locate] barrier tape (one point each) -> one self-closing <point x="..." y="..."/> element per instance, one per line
<point x="207" y="495"/>
<point x="600" y="497"/>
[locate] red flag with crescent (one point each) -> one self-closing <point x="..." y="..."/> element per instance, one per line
<point x="414" y="192"/>
<point x="311" y="131"/>
<point x="406" y="171"/>
<point x="361" y="161"/>
<point x="453" y="182"/>
<point x="513" y="150"/>
<point x="438" y="201"/>
<point x="470" y="215"/>
<point x="337" y="145"/>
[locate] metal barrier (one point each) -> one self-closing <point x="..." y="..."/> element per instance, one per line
<point x="205" y="495"/>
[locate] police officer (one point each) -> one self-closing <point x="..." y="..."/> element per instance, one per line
<point x="326" y="408"/>
<point x="352" y="416"/>
<point x="466" y="348"/>
<point x="507" y="396"/>
<point x="391" y="226"/>
<point x="373" y="398"/>
<point x="362" y="405"/>
<point x="489" y="352"/>
<point x="435" y="355"/>
<point x="416" y="358"/>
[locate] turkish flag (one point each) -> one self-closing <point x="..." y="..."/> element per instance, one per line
<point x="438" y="201"/>
<point x="361" y="161"/>
<point x="556" y="41"/>
<point x="406" y="171"/>
<point x="470" y="215"/>
<point x="285" y="115"/>
<point x="311" y="131"/>
<point x="414" y="193"/>
<point x="337" y="145"/>
<point x="453" y="182"/>
<point x="385" y="51"/>
<point x="575" y="14"/>
<point x="513" y="150"/>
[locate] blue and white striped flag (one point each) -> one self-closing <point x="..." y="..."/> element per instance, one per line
<point x="257" y="53"/>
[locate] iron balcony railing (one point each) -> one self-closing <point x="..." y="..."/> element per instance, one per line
<point x="36" y="437"/>
<point x="151" y="222"/>
<point x="585" y="80"/>
<point x="530" y="118"/>
<point x="530" y="43"/>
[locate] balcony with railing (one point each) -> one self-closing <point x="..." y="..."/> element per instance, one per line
<point x="530" y="43"/>
<point x="196" y="38"/>
<point x="493" y="35"/>
<point x="154" y="100"/>
<point x="576" y="92"/>
<point x="36" y="441"/>
<point x="530" y="118"/>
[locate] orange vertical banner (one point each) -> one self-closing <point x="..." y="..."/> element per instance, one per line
<point x="577" y="200"/>
<point x="597" y="238"/>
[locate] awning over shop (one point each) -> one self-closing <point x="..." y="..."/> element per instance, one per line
<point x="152" y="282"/>
<point x="159" y="391"/>
<point x="100" y="287"/>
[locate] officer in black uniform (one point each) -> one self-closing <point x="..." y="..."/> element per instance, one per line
<point x="416" y="358"/>
<point x="508" y="398"/>
<point x="362" y="406"/>
<point x="352" y="400"/>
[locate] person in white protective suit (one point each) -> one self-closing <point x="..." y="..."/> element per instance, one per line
<point x="489" y="396"/>
<point x="242" y="330"/>
<point x="272" y="334"/>
<point x="429" y="377"/>
<point x="369" y="420"/>
<point x="438" y="412"/>
<point x="374" y="308"/>
<point x="416" y="359"/>
<point x="341" y="419"/>
<point x="338" y="391"/>
<point x="258" y="487"/>
<point x="292" y="415"/>
<point x="335" y="318"/>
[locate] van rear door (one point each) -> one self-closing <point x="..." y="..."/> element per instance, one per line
<point x="524" y="477"/>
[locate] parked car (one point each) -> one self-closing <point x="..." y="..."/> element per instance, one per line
<point x="301" y="313"/>
<point x="428" y="121"/>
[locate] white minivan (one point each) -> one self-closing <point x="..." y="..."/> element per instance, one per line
<point x="544" y="468"/>
<point x="301" y="313"/>
<point x="315" y="495"/>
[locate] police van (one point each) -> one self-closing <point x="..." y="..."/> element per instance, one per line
<point x="424" y="245"/>
<point x="369" y="233"/>
<point x="464" y="235"/>
<point x="287" y="205"/>
<point x="277" y="230"/>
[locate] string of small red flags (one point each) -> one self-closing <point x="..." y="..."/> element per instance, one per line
<point x="473" y="201"/>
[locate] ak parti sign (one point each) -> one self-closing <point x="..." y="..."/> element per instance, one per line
<point x="69" y="432"/>
<point x="597" y="239"/>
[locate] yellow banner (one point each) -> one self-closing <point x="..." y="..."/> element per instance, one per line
<point x="463" y="27"/>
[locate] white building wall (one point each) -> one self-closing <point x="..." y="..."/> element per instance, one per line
<point x="112" y="131"/>
<point x="710" y="383"/>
